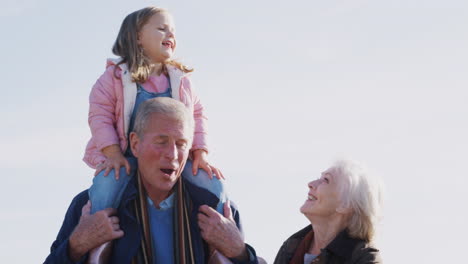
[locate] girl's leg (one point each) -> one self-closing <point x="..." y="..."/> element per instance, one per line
<point x="106" y="191"/>
<point x="215" y="186"/>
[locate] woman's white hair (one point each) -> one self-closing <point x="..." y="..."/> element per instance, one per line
<point x="362" y="193"/>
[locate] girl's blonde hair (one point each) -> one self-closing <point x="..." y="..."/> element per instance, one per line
<point x="126" y="46"/>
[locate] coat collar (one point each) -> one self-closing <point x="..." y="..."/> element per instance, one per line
<point x="343" y="245"/>
<point x="199" y="196"/>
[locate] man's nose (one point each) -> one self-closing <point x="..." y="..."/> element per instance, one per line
<point x="171" y="152"/>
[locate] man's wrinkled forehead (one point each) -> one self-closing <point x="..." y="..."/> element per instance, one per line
<point x="169" y="122"/>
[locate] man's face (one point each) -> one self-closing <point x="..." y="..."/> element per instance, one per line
<point x="161" y="152"/>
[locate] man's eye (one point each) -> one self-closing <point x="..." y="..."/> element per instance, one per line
<point x="326" y="180"/>
<point x="182" y="145"/>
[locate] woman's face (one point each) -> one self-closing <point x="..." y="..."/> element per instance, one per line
<point x="157" y="37"/>
<point x="323" y="198"/>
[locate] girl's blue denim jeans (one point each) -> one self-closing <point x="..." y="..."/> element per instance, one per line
<point x="106" y="191"/>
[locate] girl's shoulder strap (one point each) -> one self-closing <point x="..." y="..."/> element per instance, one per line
<point x="175" y="78"/>
<point x="129" y="90"/>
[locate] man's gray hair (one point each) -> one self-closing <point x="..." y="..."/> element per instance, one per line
<point x="362" y="193"/>
<point x="164" y="106"/>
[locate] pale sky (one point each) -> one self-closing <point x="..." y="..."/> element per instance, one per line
<point x="288" y="85"/>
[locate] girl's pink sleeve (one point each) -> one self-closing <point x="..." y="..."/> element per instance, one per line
<point x="201" y="132"/>
<point x="102" y="110"/>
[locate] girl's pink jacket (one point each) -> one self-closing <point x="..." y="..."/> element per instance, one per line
<point x="111" y="104"/>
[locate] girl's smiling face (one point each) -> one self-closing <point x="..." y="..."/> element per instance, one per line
<point x="324" y="196"/>
<point x="157" y="37"/>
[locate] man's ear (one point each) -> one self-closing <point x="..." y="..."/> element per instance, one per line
<point x="134" y="143"/>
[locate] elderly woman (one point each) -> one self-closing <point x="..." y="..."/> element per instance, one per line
<point x="342" y="207"/>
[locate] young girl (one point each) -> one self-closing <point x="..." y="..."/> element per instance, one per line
<point x="145" y="45"/>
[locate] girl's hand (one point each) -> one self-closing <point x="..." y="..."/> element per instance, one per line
<point x="200" y="161"/>
<point x="115" y="160"/>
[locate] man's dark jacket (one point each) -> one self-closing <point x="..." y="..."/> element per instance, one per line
<point x="125" y="248"/>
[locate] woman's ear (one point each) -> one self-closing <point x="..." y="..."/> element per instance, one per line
<point x="344" y="210"/>
<point x="134" y="143"/>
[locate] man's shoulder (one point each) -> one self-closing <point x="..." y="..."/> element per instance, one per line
<point x="200" y="196"/>
<point x="81" y="198"/>
<point x="78" y="202"/>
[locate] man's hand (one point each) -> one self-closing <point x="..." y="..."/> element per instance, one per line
<point x="221" y="232"/>
<point x="93" y="230"/>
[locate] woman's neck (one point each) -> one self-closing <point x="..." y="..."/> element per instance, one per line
<point x="325" y="230"/>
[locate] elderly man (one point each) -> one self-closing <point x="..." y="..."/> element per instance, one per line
<point x="162" y="218"/>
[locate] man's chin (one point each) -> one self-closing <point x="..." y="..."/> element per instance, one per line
<point x="169" y="180"/>
<point x="161" y="181"/>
